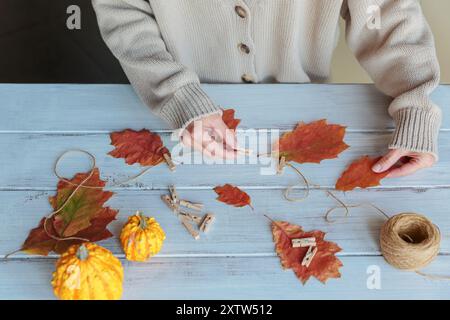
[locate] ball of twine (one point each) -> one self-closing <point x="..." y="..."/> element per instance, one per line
<point x="409" y="241"/>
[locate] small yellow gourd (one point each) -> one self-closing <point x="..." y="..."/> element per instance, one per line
<point x="88" y="272"/>
<point x="141" y="237"/>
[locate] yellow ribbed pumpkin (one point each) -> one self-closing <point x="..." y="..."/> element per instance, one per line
<point x="141" y="237"/>
<point x="88" y="272"/>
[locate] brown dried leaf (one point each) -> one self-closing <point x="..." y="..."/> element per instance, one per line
<point x="360" y="174"/>
<point x="85" y="204"/>
<point x="229" y="119"/>
<point x="313" y="142"/>
<point x="233" y="196"/>
<point x="143" y="147"/>
<point x="324" y="265"/>
<point x="82" y="217"/>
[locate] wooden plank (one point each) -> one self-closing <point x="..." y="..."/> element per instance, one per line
<point x="235" y="278"/>
<point x="28" y="164"/>
<point x="104" y="108"/>
<point x="240" y="231"/>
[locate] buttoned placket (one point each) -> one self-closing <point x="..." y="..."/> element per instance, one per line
<point x="246" y="46"/>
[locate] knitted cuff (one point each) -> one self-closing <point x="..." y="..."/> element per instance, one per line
<point x="416" y="130"/>
<point x="189" y="103"/>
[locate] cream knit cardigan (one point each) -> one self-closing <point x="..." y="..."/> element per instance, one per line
<point x="167" y="47"/>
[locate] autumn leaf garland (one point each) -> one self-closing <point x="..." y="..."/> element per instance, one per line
<point x="85" y="217"/>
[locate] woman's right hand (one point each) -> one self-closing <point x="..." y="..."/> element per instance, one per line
<point x="211" y="136"/>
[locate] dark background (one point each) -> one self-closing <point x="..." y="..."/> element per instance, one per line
<point x="37" y="47"/>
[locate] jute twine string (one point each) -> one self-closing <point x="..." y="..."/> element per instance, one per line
<point x="93" y="161"/>
<point x="77" y="188"/>
<point x="408" y="241"/>
<point x="288" y="190"/>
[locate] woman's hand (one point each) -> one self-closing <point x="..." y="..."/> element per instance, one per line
<point x="409" y="162"/>
<point x="212" y="137"/>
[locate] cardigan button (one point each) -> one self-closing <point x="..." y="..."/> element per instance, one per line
<point x="241" y="12"/>
<point x="244" y="48"/>
<point x="247" y="78"/>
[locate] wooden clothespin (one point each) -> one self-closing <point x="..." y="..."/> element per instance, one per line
<point x="190" y="216"/>
<point x="191" y="205"/>
<point x="168" y="201"/>
<point x="169" y="162"/>
<point x="281" y="165"/>
<point x="173" y="194"/>
<point x="303" y="242"/>
<point x="206" y="223"/>
<point x="309" y="256"/>
<point x="247" y="152"/>
<point x="189" y="228"/>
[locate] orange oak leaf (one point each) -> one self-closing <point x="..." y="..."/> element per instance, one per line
<point x="360" y="174"/>
<point x="82" y="218"/>
<point x="313" y="142"/>
<point x="323" y="266"/>
<point x="233" y="196"/>
<point x="86" y="204"/>
<point x="229" y="119"/>
<point x="143" y="147"/>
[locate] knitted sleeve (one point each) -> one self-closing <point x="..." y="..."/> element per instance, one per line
<point x="397" y="49"/>
<point x="170" y="89"/>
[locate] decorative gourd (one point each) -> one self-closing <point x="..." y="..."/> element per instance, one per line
<point x="141" y="237"/>
<point x="88" y="272"/>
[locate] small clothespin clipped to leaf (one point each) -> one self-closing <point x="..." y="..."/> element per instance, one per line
<point x="303" y="242"/>
<point x="169" y="161"/>
<point x="281" y="165"/>
<point x="309" y="256"/>
<point x="312" y="248"/>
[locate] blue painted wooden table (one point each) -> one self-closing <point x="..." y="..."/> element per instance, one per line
<point x="236" y="259"/>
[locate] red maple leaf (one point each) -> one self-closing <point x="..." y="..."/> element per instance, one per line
<point x="323" y="266"/>
<point x="360" y="174"/>
<point x="233" y="196"/>
<point x="82" y="217"/>
<point x="229" y="119"/>
<point x="143" y="147"/>
<point x="312" y="142"/>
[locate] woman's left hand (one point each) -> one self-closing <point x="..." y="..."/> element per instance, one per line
<point x="409" y="162"/>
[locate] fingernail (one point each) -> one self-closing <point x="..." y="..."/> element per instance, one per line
<point x="377" y="168"/>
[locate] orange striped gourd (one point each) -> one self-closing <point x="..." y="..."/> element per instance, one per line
<point x="141" y="237"/>
<point x="88" y="272"/>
